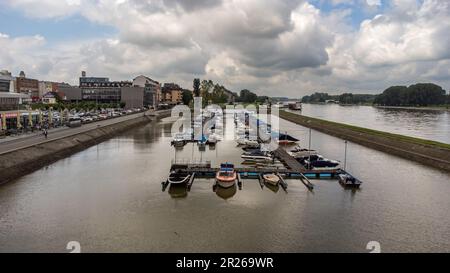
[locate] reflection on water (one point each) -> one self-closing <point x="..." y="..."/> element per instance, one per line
<point x="226" y="193"/>
<point x="109" y="198"/>
<point x="178" y="190"/>
<point x="427" y="124"/>
<point x="271" y="187"/>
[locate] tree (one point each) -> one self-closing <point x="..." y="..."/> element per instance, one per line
<point x="318" y="98"/>
<point x="421" y="94"/>
<point x="197" y="87"/>
<point x="246" y="96"/>
<point x="187" y="96"/>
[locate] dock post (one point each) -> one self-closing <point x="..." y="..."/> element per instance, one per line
<point x="191" y="181"/>
<point x="283" y="183"/>
<point x="261" y="181"/>
<point x="306" y="182"/>
<point x="239" y="181"/>
<point x="164" y="185"/>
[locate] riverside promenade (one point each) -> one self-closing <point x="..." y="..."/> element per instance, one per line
<point x="10" y="144"/>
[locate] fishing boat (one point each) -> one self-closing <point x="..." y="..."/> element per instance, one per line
<point x="226" y="176"/>
<point x="257" y="156"/>
<point x="296" y="106"/>
<point x="348" y="180"/>
<point x="178" y="177"/>
<point x="271" y="178"/>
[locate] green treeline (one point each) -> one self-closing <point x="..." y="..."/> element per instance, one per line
<point x="217" y="94"/>
<point x="421" y="94"/>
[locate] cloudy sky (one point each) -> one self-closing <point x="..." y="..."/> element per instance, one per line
<point x="274" y="47"/>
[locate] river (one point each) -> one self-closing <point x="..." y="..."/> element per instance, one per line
<point x="109" y="199"/>
<point x="427" y="124"/>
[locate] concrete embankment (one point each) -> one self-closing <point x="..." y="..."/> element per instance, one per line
<point x="434" y="154"/>
<point x="22" y="161"/>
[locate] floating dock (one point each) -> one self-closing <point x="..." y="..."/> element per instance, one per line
<point x="292" y="170"/>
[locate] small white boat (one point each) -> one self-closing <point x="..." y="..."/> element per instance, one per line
<point x="247" y="142"/>
<point x="257" y="156"/>
<point x="212" y="139"/>
<point x="303" y="153"/>
<point x="271" y="178"/>
<point x="178" y="178"/>
<point x="347" y="180"/>
<point x="179" y="140"/>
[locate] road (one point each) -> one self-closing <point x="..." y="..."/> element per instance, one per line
<point x="38" y="138"/>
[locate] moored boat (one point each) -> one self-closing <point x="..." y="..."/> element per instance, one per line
<point x="285" y="139"/>
<point x="247" y="142"/>
<point x="226" y="176"/>
<point x="257" y="156"/>
<point x="178" y="140"/>
<point x="271" y="178"/>
<point x="347" y="180"/>
<point x="178" y="178"/>
<point x="296" y="106"/>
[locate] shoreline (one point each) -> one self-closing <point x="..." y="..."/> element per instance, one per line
<point x="424" y="108"/>
<point x="29" y="158"/>
<point x="430" y="153"/>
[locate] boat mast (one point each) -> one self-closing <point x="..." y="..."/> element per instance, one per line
<point x="309" y="149"/>
<point x="345" y="156"/>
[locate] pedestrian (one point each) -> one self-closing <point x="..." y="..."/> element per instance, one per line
<point x="45" y="133"/>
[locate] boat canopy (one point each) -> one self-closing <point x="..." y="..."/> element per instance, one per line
<point x="226" y="167"/>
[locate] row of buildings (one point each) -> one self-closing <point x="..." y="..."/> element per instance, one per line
<point x="141" y="91"/>
<point x="19" y="90"/>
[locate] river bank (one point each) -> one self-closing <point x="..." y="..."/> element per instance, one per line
<point x="425" y="108"/>
<point x="427" y="152"/>
<point x="30" y="157"/>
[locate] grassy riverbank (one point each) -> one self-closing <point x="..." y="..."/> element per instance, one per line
<point x="424" y="151"/>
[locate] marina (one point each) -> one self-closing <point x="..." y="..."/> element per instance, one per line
<point x="225" y="175"/>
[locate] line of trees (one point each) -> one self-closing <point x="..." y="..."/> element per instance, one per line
<point x="319" y="98"/>
<point x="422" y="94"/>
<point x="218" y="94"/>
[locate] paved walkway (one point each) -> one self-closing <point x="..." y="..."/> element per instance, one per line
<point x="24" y="141"/>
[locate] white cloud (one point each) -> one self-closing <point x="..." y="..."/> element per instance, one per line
<point x="288" y="47"/>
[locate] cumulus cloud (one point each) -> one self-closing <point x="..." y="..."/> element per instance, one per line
<point x="284" y="47"/>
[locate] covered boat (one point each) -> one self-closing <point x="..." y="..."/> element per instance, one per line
<point x="348" y="180"/>
<point x="285" y="139"/>
<point x="257" y="155"/>
<point x="226" y="176"/>
<point x="271" y="178"/>
<point x="179" y="140"/>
